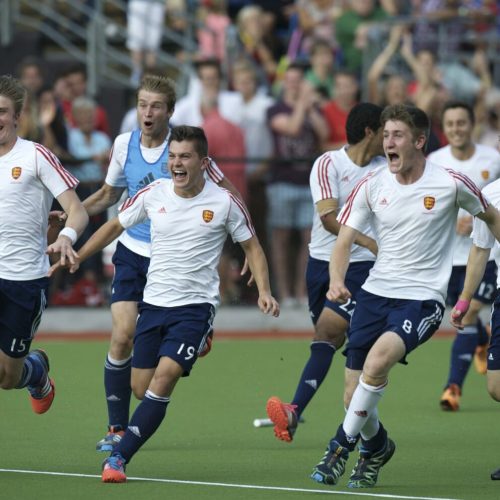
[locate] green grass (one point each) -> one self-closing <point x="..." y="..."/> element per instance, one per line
<point x="208" y="434"/>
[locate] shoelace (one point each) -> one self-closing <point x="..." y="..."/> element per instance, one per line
<point x="115" y="462"/>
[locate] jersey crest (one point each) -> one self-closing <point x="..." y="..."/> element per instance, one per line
<point x="207" y="215"/>
<point x="485" y="174"/>
<point x="16" y="172"/>
<point x="429" y="202"/>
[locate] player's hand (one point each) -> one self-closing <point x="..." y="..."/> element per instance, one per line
<point x="244" y="270"/>
<point x="268" y="304"/>
<point x="68" y="257"/>
<point x="57" y="219"/>
<point x="338" y="293"/>
<point x="458" y="312"/>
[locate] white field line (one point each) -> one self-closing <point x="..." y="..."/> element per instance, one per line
<point x="229" y="485"/>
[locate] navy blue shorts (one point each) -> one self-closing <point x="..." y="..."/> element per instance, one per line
<point x="486" y="290"/>
<point x="415" y="321"/>
<point x="318" y="281"/>
<point x="494" y="347"/>
<point x="177" y="332"/>
<point x="21" y="307"/>
<point x="129" y="280"/>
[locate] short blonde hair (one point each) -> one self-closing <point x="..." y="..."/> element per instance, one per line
<point x="159" y="85"/>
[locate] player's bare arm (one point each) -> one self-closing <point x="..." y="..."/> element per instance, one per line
<point x="328" y="211"/>
<point x="258" y="266"/>
<point x="476" y="265"/>
<point x="492" y="217"/>
<point x="106" y="196"/>
<point x="339" y="262"/>
<point x="107" y="233"/>
<point x="76" y="222"/>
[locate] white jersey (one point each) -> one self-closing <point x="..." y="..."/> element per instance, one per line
<point x="414" y="226"/>
<point x="116" y="177"/>
<point x="481" y="235"/>
<point x="187" y="237"/>
<point x="333" y="176"/>
<point x="482" y="168"/>
<point x="30" y="178"/>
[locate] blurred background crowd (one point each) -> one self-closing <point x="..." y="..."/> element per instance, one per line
<point x="240" y="68"/>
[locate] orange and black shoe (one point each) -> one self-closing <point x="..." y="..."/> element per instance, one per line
<point x="113" y="469"/>
<point x="42" y="395"/>
<point x="450" y="400"/>
<point x="284" y="418"/>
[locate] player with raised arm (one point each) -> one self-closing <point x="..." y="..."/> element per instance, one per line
<point x="30" y="178"/>
<point x="482" y="165"/>
<point x="138" y="158"/>
<point x="412" y="205"/>
<point x="190" y="220"/>
<point x="333" y="176"/>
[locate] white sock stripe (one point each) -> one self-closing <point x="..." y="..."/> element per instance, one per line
<point x="329" y="344"/>
<point x="117" y="362"/>
<point x="372" y="388"/>
<point x="154" y="397"/>
<point x="469" y="330"/>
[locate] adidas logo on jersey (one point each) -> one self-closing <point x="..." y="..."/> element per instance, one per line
<point x="384" y="201"/>
<point x="162" y="210"/>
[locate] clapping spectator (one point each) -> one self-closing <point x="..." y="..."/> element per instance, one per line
<point x="298" y="129"/>
<point x="249" y="42"/>
<point x="213" y="24"/>
<point x="352" y="29"/>
<point x="321" y="72"/>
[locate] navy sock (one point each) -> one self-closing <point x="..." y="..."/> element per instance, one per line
<point x="33" y="372"/>
<point x="462" y="352"/>
<point x="342" y="439"/>
<point x="314" y="373"/>
<point x="375" y="443"/>
<point x="146" y="419"/>
<point x="118" y="391"/>
<point x="482" y="335"/>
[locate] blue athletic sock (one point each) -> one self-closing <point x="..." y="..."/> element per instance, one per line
<point x="314" y="373"/>
<point x="375" y="443"/>
<point x="344" y="440"/>
<point x="118" y="391"/>
<point x="33" y="372"/>
<point x="146" y="419"/>
<point x="462" y="352"/>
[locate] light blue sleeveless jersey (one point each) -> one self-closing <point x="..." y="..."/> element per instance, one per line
<point x="139" y="173"/>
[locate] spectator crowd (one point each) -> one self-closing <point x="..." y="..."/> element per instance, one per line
<point x="272" y="85"/>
